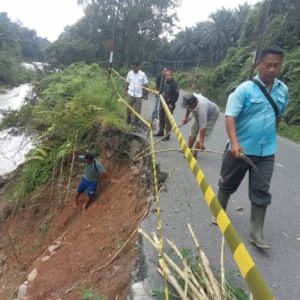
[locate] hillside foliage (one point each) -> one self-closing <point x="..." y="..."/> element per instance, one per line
<point x="283" y="30"/>
<point x="71" y="103"/>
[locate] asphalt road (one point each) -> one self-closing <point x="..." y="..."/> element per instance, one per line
<point x="183" y="202"/>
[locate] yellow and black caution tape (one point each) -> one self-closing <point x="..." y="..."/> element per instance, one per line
<point x="159" y="223"/>
<point x="157" y="201"/>
<point x="249" y="271"/>
<point x="256" y="283"/>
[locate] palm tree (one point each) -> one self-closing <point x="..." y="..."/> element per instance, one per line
<point x="241" y="14"/>
<point x="218" y="33"/>
<point x="185" y="46"/>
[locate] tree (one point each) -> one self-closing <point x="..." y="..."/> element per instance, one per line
<point x="16" y="44"/>
<point x="185" y="46"/>
<point x="218" y="33"/>
<point x="140" y="25"/>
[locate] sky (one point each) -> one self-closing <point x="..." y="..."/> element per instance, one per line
<point x="49" y="17"/>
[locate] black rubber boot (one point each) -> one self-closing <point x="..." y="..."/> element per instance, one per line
<point x="223" y="199"/>
<point x="258" y="214"/>
<point x="159" y="134"/>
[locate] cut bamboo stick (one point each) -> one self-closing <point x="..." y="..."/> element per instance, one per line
<point x="138" y="189"/>
<point x="166" y="181"/>
<point x="215" y="289"/>
<point x="174" y="283"/>
<point x="159" y="140"/>
<point x="178" y="270"/>
<point x="178" y="150"/>
<point x="53" y="181"/>
<point x="193" y="278"/>
<point x="222" y="268"/>
<point x="60" y="180"/>
<point x="186" y="280"/>
<point x="156" y="245"/>
<point x="71" y="170"/>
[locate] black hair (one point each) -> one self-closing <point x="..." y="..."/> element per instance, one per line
<point x="270" y="50"/>
<point x="89" y="156"/>
<point x="135" y="63"/>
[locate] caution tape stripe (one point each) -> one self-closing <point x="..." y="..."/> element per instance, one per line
<point x="249" y="271"/>
<point x="134" y="111"/>
<point x="159" y="221"/>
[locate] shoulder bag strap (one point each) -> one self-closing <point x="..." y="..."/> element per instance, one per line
<point x="268" y="96"/>
<point x="95" y="166"/>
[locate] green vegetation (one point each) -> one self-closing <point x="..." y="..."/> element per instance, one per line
<point x="18" y="43"/>
<point x="222" y="47"/>
<point x="140" y="25"/>
<point x="90" y="294"/>
<point x="72" y="103"/>
<point x="283" y="29"/>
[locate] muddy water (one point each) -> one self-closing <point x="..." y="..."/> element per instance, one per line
<point x="13" y="148"/>
<point x="14" y="98"/>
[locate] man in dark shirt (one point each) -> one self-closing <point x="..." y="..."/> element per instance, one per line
<point x="170" y="92"/>
<point x="159" y="83"/>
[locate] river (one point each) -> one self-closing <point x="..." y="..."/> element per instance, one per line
<point x="13" y="148"/>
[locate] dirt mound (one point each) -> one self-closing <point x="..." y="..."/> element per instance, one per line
<point x="80" y="243"/>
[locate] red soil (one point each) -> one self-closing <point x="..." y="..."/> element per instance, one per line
<point x="89" y="240"/>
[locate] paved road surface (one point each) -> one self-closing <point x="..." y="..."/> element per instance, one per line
<point x="183" y="202"/>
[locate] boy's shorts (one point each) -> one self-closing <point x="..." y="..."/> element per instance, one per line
<point x="90" y="185"/>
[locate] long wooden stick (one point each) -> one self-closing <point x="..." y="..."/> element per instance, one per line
<point x="159" y="140"/>
<point x="186" y="283"/>
<point x="193" y="278"/>
<point x="72" y="166"/>
<point x="173" y="282"/>
<point x="60" y="180"/>
<point x="138" y="189"/>
<point x="53" y="181"/>
<point x="223" y="268"/>
<point x="215" y="290"/>
<point x="178" y="149"/>
<point x="166" y="181"/>
<point x="156" y="245"/>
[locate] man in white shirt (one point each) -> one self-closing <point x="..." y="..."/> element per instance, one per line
<point x="136" y="80"/>
<point x="205" y="115"/>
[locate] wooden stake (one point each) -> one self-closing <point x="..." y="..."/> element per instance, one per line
<point x="178" y="150"/>
<point x="53" y="181"/>
<point x="156" y="245"/>
<point x="193" y="278"/>
<point x="72" y="166"/>
<point x="159" y="140"/>
<point x="222" y="268"/>
<point x="60" y="179"/>
<point x="214" y="286"/>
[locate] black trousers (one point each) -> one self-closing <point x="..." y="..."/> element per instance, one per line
<point x="234" y="169"/>
<point x="164" y="123"/>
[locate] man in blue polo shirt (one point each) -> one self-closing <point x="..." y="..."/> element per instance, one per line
<point x="251" y="127"/>
<point x="93" y="170"/>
